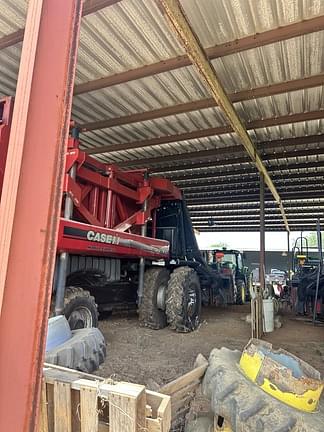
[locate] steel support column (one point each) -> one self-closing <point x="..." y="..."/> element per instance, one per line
<point x="288" y="255"/>
<point x="262" y="235"/>
<point x="262" y="260"/>
<point x="31" y="202"/>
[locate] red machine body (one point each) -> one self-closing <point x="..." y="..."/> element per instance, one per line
<point x="108" y="203"/>
<point x="114" y="226"/>
<point x="112" y="201"/>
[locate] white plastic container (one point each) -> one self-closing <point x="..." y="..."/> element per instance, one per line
<point x="268" y="316"/>
<point x="58" y="332"/>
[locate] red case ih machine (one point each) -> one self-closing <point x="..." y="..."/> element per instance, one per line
<point x="115" y="225"/>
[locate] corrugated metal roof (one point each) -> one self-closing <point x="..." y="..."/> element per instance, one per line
<point x="219" y="21"/>
<point x="133" y="33"/>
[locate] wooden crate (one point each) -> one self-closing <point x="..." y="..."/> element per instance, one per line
<point x="182" y="390"/>
<point x="75" y="402"/>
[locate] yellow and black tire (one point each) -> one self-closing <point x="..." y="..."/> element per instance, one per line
<point x="245" y="406"/>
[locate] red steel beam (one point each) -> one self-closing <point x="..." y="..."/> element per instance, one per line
<point x="39" y="131"/>
<point x="258" y="92"/>
<point x="257" y="40"/>
<point x="202" y="133"/>
<point x="89" y="7"/>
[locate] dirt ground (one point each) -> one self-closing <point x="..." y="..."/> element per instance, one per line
<point x="154" y="358"/>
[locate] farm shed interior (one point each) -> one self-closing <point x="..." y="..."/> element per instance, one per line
<point x="140" y="103"/>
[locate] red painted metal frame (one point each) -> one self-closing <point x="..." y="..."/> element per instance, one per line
<point x="106" y="200"/>
<point x="105" y="196"/>
<point x="6" y="108"/>
<point x="52" y="32"/>
<point x="109" y="202"/>
<point x="79" y="238"/>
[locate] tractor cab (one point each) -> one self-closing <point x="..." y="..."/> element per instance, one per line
<point x="229" y="265"/>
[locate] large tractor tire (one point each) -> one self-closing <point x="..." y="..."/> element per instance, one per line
<point x="241" y="292"/>
<point x="247" y="407"/>
<point x="80" y="308"/>
<point x="183" y="300"/>
<point x="85" y="351"/>
<point x="152" y="309"/>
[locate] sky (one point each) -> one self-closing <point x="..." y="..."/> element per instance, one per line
<point x="247" y="240"/>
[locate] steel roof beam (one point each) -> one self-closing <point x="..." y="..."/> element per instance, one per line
<point x="255" y="229"/>
<point x="92" y="6"/>
<point x="255" y="216"/>
<point x="252" y="179"/>
<point x="12" y="39"/>
<point x="309" y="185"/>
<point x="219" y="174"/>
<point x="89" y="7"/>
<point x="250" y="191"/>
<point x="208" y="132"/>
<point x="196" y="176"/>
<point x="257" y="40"/>
<point x="238" y="161"/>
<point x="256" y="223"/>
<point x="250" y="206"/>
<point x="261" y="146"/>
<point x="258" y="92"/>
<point x="243" y="212"/>
<point x="242" y="198"/>
<point x="247" y="218"/>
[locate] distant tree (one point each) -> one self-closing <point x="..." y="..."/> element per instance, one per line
<point x="219" y="245"/>
<point x="312" y="239"/>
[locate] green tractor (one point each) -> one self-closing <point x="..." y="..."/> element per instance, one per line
<point x="229" y="265"/>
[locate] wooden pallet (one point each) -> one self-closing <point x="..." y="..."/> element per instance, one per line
<point x="75" y="402"/>
<point x="182" y="390"/>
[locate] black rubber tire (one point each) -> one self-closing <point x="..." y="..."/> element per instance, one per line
<point x="149" y="314"/>
<point x="85" y="351"/>
<point x="240" y="299"/>
<point x="246" y="406"/>
<point x="181" y="282"/>
<point x="76" y="297"/>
